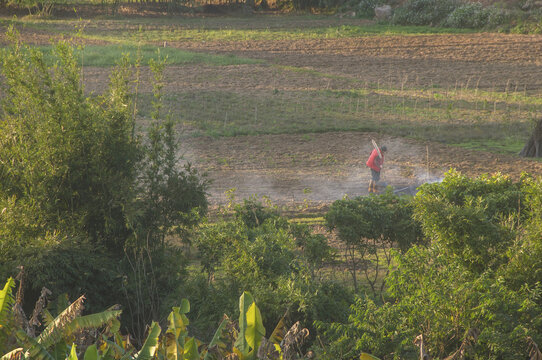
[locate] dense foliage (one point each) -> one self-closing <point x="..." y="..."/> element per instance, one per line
<point x="466" y="286"/>
<point x="277" y="261"/>
<point x="371" y="227"/>
<point x="81" y="193"/>
<point x="70" y="335"/>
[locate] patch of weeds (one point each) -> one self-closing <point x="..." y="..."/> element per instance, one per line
<point x="329" y="160"/>
<point x="223" y="162"/>
<point x="502" y="146"/>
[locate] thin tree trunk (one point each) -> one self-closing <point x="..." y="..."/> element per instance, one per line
<point x="533" y="147"/>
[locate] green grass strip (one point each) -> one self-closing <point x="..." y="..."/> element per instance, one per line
<point x="108" y="55"/>
<point x="178" y="33"/>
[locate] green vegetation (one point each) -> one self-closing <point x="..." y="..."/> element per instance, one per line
<point x="92" y="202"/>
<point x="472" y="287"/>
<point x="332" y="32"/>
<point x="148" y="31"/>
<point x="84" y="199"/>
<point x="67" y="335"/>
<point x="370" y="226"/>
<point x="108" y="55"/>
<point x="450" y="116"/>
<point x="277" y="261"/>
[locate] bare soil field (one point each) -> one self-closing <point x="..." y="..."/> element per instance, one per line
<point x="488" y="60"/>
<point x="318" y="168"/>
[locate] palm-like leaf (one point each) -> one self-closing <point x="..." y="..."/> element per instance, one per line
<point x="92" y="321"/>
<point x="35" y="350"/>
<point x="255" y="330"/>
<point x="218" y="339"/>
<point x="73" y="354"/>
<point x="13" y="354"/>
<point x="6" y="301"/>
<point x="55" y="330"/>
<point x="244" y="303"/>
<point x="91" y="353"/>
<point x="191" y="350"/>
<point x="176" y="332"/>
<point x="280" y="330"/>
<point x="151" y="343"/>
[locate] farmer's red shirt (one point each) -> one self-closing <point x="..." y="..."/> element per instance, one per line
<point x="375" y="162"/>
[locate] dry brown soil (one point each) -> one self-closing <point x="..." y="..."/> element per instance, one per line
<point x="320" y="168"/>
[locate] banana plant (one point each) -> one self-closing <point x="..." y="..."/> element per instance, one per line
<point x="6" y="304"/>
<point x="51" y="344"/>
<point x="251" y="329"/>
<point x="246" y="343"/>
<point x="174" y="344"/>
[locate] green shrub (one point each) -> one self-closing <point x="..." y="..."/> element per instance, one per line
<point x="424" y="12"/>
<point x="467" y="217"/>
<point x="476" y="16"/>
<point x="278" y="262"/>
<point x="70" y="266"/>
<point x="478" y="275"/>
<point x="252" y="213"/>
<point x="72" y="167"/>
<point x="471" y="15"/>
<point x="528" y="26"/>
<point x="370" y="226"/>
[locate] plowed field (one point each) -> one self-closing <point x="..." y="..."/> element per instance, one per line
<point x="318" y="168"/>
<point x="324" y="167"/>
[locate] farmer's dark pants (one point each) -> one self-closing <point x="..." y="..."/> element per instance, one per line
<point x="376" y="175"/>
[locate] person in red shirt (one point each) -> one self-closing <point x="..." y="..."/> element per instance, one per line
<point x="375" y="163"/>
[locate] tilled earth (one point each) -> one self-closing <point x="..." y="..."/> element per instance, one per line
<point x="320" y="168"/>
<point x="315" y="169"/>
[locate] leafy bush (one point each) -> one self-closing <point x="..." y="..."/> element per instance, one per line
<point x="67" y="159"/>
<point x="274" y="260"/>
<point x="72" y="167"/>
<point x="252" y="213"/>
<point x="71" y="266"/>
<point x="468" y="217"/>
<point x="528" y="26"/>
<point x="475" y="16"/>
<point x="470" y="15"/>
<point x="423" y="12"/>
<point x="370" y="226"/>
<point x="476" y="277"/>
